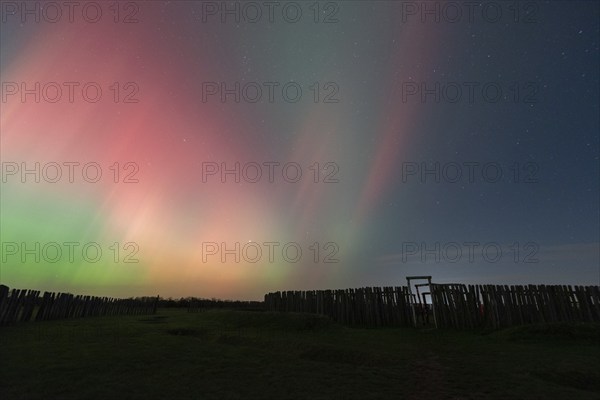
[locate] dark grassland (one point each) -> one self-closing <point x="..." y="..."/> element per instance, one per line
<point x="262" y="355"/>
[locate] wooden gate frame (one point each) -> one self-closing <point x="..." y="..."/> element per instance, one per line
<point x="411" y="296"/>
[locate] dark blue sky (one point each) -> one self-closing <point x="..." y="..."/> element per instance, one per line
<point x="550" y="129"/>
<point x="515" y="93"/>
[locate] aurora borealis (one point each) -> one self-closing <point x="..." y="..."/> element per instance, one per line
<point x="379" y="105"/>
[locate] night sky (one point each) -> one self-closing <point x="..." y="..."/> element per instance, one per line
<point x="425" y="146"/>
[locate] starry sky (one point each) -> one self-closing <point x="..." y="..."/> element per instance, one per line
<point x="462" y="148"/>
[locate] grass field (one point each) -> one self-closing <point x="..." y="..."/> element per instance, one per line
<point x="259" y="355"/>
